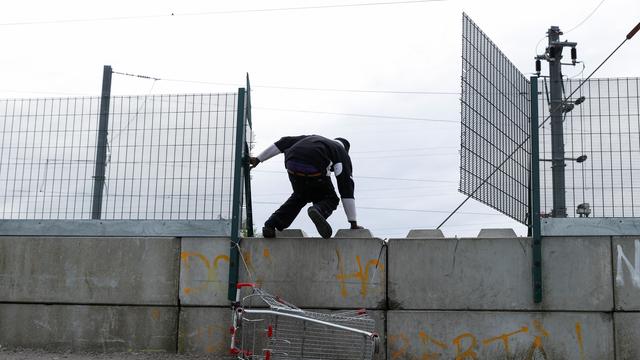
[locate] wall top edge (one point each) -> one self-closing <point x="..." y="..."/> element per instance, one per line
<point x="590" y="226"/>
<point x="120" y="228"/>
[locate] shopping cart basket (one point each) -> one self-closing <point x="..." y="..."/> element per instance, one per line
<point x="267" y="327"/>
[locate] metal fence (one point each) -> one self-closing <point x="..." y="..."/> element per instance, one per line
<point x="605" y="128"/>
<point x="169" y="157"/>
<point x="495" y="152"/>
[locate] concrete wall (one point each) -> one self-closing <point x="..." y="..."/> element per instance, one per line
<point x="433" y="297"/>
<point x="80" y="270"/>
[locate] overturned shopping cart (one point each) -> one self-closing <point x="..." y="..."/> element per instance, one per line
<point x="267" y="327"/>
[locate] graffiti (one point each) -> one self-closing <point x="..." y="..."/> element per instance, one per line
<point x="366" y="275"/>
<point x="362" y="274"/>
<point x="467" y="346"/>
<point x="211" y="267"/>
<point x="634" y="270"/>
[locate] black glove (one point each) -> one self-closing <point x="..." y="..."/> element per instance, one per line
<point x="254" y="161"/>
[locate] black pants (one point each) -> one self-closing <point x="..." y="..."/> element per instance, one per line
<point x="317" y="190"/>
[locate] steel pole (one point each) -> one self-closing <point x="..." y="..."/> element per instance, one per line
<point x="557" y="135"/>
<point x="101" y="148"/>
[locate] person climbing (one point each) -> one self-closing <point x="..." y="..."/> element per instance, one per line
<point x="309" y="159"/>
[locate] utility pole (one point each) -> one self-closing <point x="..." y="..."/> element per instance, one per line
<point x="557" y="109"/>
<point x="101" y="149"/>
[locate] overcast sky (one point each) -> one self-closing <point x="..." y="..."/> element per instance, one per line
<point x="405" y="153"/>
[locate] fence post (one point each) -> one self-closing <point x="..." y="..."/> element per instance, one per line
<point x="534" y="204"/>
<point x="101" y="148"/>
<point x="247" y="174"/>
<point x="236" y="216"/>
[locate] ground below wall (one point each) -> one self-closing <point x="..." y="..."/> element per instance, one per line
<point x="432" y="297"/>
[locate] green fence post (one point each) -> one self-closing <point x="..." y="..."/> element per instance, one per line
<point x="247" y="174"/>
<point x="236" y="216"/>
<point x="534" y="210"/>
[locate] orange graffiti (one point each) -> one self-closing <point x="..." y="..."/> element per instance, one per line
<point x="396" y="352"/>
<point x="212" y="269"/>
<point x="537" y="341"/>
<point x="155" y="314"/>
<point x="579" y="336"/>
<point x="361" y="275"/>
<point x="467" y="347"/>
<point x="425" y="339"/>
<point x="505" y="338"/>
<point x="468" y="353"/>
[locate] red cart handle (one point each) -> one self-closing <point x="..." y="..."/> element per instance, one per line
<point x="241" y="285"/>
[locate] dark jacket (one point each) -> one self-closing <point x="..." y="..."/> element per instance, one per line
<point x="323" y="154"/>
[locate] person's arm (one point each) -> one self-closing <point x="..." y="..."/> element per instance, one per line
<point x="346" y="186"/>
<point x="278" y="147"/>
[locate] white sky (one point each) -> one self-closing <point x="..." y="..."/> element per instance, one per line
<point x="401" y="47"/>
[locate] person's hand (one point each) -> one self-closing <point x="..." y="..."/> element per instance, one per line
<point x="354" y="225"/>
<point x="253" y="162"/>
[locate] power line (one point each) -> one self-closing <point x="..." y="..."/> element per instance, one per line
<point x="407" y="149"/>
<point x="279" y="87"/>
<point x="586" y="18"/>
<point x="403" y="156"/>
<point x="394" y="209"/>
<point x="206" y="13"/>
<point x="403" y="92"/>
<point x="371" y="177"/>
<point x="358" y="115"/>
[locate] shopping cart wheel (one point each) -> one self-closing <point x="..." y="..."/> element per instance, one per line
<point x="376" y="344"/>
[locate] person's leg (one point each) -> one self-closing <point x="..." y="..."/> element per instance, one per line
<point x="325" y="198"/>
<point x="325" y="201"/>
<point x="284" y="216"/>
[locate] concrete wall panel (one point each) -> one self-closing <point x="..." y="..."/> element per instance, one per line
<point x="495" y="274"/>
<point x="205" y="330"/>
<point x="319" y="273"/>
<point x="626" y="267"/>
<point x="204" y="271"/>
<point x="127" y="271"/>
<point x="89" y="328"/>
<point x="499" y="335"/>
<point x="627" y="335"/>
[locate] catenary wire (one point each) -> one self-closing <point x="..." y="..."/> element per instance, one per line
<point x="280" y="87"/>
<point x="393" y="209"/>
<point x="586" y="18"/>
<point x="206" y="13"/>
<point x="371" y="177"/>
<point x="359" y="115"/>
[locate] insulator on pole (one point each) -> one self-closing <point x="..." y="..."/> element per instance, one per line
<point x="574" y="54"/>
<point x="552" y="52"/>
<point x="538" y="66"/>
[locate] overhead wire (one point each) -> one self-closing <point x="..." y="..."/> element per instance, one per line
<point x="395" y="209"/>
<point x="207" y="13"/>
<point x="372" y="177"/>
<point x="359" y="115"/>
<point x="586" y="18"/>
<point x="280" y="87"/>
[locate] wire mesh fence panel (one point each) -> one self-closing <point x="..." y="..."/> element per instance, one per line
<point x="495" y="110"/>
<point x="169" y="157"/>
<point x="605" y="128"/>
